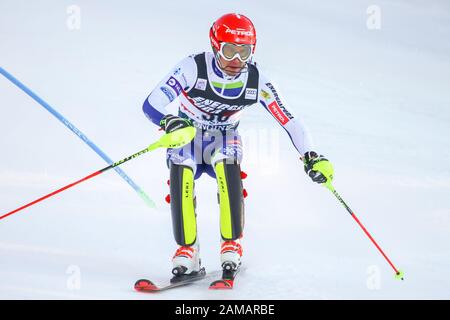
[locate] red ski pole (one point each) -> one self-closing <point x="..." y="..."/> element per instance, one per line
<point x="398" y="273"/>
<point x="174" y="139"/>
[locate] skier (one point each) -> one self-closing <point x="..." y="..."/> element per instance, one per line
<point x="214" y="88"/>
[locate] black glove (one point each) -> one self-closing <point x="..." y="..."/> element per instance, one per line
<point x="170" y="123"/>
<point x="318" y="172"/>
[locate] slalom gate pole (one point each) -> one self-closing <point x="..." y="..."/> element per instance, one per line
<point x="80" y="134"/>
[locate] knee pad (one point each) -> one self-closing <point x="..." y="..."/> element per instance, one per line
<point x="231" y="199"/>
<point x="182" y="204"/>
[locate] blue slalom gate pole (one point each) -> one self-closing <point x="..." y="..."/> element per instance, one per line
<point x="80" y="134"/>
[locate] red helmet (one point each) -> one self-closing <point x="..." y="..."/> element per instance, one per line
<point x="233" y="28"/>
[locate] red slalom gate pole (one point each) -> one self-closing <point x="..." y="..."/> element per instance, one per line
<point x="398" y="273"/>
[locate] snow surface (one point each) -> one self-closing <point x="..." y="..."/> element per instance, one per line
<point x="376" y="101"/>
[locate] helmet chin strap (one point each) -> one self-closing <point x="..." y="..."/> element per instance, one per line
<point x="223" y="69"/>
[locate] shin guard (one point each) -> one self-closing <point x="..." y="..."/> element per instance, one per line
<point x="182" y="204"/>
<point x="231" y="199"/>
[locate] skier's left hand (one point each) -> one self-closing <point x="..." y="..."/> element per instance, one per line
<point x="317" y="167"/>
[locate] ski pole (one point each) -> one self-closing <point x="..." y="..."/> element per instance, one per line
<point x="399" y="275"/>
<point x="174" y="139"/>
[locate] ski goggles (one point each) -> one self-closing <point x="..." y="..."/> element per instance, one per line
<point x="229" y="51"/>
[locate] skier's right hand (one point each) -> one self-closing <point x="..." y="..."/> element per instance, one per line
<point x="170" y="123"/>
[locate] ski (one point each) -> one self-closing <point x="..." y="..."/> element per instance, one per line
<point x="146" y="285"/>
<point x="227" y="281"/>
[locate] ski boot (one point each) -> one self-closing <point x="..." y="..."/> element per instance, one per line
<point x="230" y="256"/>
<point x="186" y="263"/>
